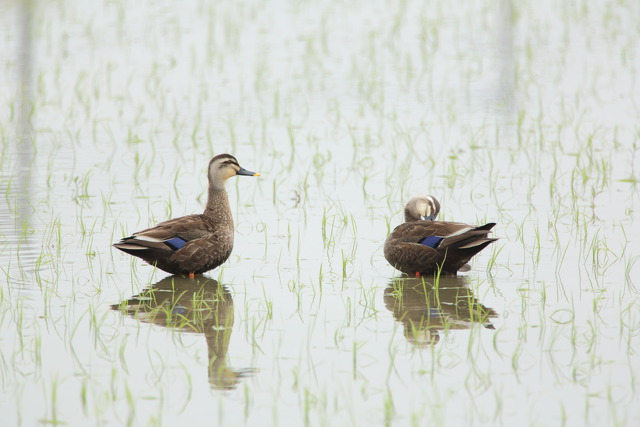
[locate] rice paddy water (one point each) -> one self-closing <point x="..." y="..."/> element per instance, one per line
<point x="519" y="113"/>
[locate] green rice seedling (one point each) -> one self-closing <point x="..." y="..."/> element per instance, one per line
<point x="320" y="279"/>
<point x="494" y="256"/>
<point x="345" y="261"/>
<point x="269" y="304"/>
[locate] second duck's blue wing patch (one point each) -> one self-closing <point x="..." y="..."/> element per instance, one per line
<point x="431" y="241"/>
<point x="175" y="243"/>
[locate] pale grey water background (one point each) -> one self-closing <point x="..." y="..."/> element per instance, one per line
<point x="524" y="113"/>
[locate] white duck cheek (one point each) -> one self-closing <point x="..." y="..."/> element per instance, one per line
<point x="229" y="172"/>
<point x="423" y="209"/>
<point x="221" y="174"/>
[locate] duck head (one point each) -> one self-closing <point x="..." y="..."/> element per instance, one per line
<point x="223" y="167"/>
<point x="421" y="207"/>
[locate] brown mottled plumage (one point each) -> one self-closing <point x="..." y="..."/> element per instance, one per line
<point x="421" y="246"/>
<point x="192" y="244"/>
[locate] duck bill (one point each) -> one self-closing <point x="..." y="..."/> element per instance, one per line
<point x="429" y="218"/>
<point x="245" y="172"/>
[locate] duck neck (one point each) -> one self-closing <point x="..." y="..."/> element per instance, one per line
<point x="218" y="205"/>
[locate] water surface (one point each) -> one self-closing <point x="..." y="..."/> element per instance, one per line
<point x="523" y="114"/>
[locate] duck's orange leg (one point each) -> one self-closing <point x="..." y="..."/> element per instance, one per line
<point x="192" y="275"/>
<point x="417" y="274"/>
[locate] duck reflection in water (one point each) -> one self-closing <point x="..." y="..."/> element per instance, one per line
<point x="200" y="306"/>
<point x="426" y="306"/>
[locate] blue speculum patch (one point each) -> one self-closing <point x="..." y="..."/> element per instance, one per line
<point x="175" y="243"/>
<point x="431" y="241"/>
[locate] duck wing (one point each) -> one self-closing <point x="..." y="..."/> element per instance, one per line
<point x="423" y="245"/>
<point x="170" y="235"/>
<point x="403" y="249"/>
<point x="187" y="245"/>
<point x="457" y="235"/>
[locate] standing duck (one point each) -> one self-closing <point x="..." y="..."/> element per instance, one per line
<point x="192" y="244"/>
<point x="424" y="246"/>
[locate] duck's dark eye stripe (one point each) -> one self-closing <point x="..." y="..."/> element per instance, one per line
<point x="228" y="162"/>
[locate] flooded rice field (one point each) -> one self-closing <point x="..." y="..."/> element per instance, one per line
<point x="520" y="113"/>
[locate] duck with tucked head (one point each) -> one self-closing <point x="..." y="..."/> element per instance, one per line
<point x="192" y="244"/>
<point x="424" y="246"/>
